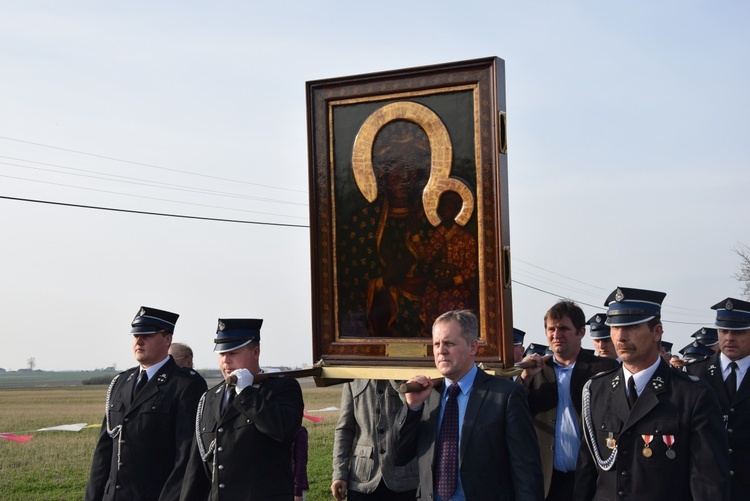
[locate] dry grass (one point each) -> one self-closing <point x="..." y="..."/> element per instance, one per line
<point x="55" y="465"/>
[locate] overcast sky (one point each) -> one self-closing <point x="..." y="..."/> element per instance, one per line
<point x="627" y="124"/>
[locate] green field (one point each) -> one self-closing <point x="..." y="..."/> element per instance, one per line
<point x="54" y="465"/>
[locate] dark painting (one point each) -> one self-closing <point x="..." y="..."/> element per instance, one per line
<point x="403" y="170"/>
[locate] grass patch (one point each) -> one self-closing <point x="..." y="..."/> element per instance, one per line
<point x="55" y="465"/>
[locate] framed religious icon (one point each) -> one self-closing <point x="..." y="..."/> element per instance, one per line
<point x="408" y="211"/>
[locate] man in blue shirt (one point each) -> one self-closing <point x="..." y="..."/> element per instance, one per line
<point x="554" y="387"/>
<point x="472" y="433"/>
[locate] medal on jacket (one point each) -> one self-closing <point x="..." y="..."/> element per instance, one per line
<point x="611" y="442"/>
<point x="669" y="440"/>
<point x="647" y="452"/>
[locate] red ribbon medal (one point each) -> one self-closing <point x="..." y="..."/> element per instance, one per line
<point x="647" y="452"/>
<point x="669" y="440"/>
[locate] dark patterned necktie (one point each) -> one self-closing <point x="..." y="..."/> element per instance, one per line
<point x="142" y="380"/>
<point x="731" y="380"/>
<point x="632" y="392"/>
<point x="228" y="399"/>
<point x="446" y="462"/>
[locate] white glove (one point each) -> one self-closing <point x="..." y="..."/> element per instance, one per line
<point x="244" y="379"/>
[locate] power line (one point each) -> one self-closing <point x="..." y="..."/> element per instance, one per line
<point x="139" y="181"/>
<point x="182" y="216"/>
<point x="145" y="197"/>
<point x="130" y="211"/>
<point x="594" y="306"/>
<point x="152" y="166"/>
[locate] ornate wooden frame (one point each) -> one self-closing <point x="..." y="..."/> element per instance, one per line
<point x="460" y="109"/>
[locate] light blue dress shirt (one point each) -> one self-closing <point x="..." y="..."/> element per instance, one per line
<point x="567" y="432"/>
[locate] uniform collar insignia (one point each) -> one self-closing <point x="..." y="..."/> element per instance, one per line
<point x="616" y="381"/>
<point x="712" y="369"/>
<point x="161" y="378"/>
<point x="657" y="383"/>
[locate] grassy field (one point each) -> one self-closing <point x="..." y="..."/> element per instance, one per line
<point x="54" y="465"/>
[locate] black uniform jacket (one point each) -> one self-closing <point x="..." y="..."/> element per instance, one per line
<point x="736" y="415"/>
<point x="154" y="440"/>
<point x="251" y="458"/>
<point x="673" y="405"/>
<point x="542" y="394"/>
<point x="498" y="456"/>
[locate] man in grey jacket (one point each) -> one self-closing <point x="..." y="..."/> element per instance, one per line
<point x="363" y="466"/>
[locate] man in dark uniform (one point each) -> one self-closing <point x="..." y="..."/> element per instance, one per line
<point x="553" y="387"/>
<point x="599" y="332"/>
<point x="144" y="444"/>
<point x="708" y="337"/>
<point x="733" y="391"/>
<point x="244" y="432"/>
<point x="665" y="351"/>
<point x="650" y="432"/>
<point x="518" y="348"/>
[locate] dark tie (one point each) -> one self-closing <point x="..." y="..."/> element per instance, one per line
<point x="632" y="392"/>
<point x="731" y="380"/>
<point x="142" y="380"/>
<point x="446" y="453"/>
<point x="228" y="398"/>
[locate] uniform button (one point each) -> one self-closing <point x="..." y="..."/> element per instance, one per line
<point x="621" y="493"/>
<point x="657" y="432"/>
<point x="729" y="430"/>
<point x="624" y="473"/>
<point x="220" y="449"/>
<point x="248" y="420"/>
<point x="126" y="420"/>
<point x="731" y="410"/>
<point x="221" y="429"/>
<point x="602" y="427"/>
<point x="221" y="466"/>
<point x="731" y="473"/>
<point x="123" y="441"/>
<point x="730" y="451"/>
<point x="624" y="453"/>
<point x="221" y="486"/>
<point x="117" y="487"/>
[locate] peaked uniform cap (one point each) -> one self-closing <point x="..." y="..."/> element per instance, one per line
<point x="696" y="350"/>
<point x="598" y="329"/>
<point x="626" y="306"/>
<point x="706" y="336"/>
<point x="732" y="314"/>
<point x="518" y="335"/>
<point x="667" y="346"/>
<point x="541" y="349"/>
<point x="233" y="333"/>
<point x="150" y="321"/>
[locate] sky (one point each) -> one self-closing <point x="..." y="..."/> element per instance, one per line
<point x="627" y="165"/>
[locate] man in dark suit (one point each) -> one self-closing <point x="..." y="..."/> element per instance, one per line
<point x="650" y="432"/>
<point x="472" y="434"/>
<point x="144" y="444"/>
<point x="553" y="387"/>
<point x="244" y="431"/>
<point x="733" y="391"/>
